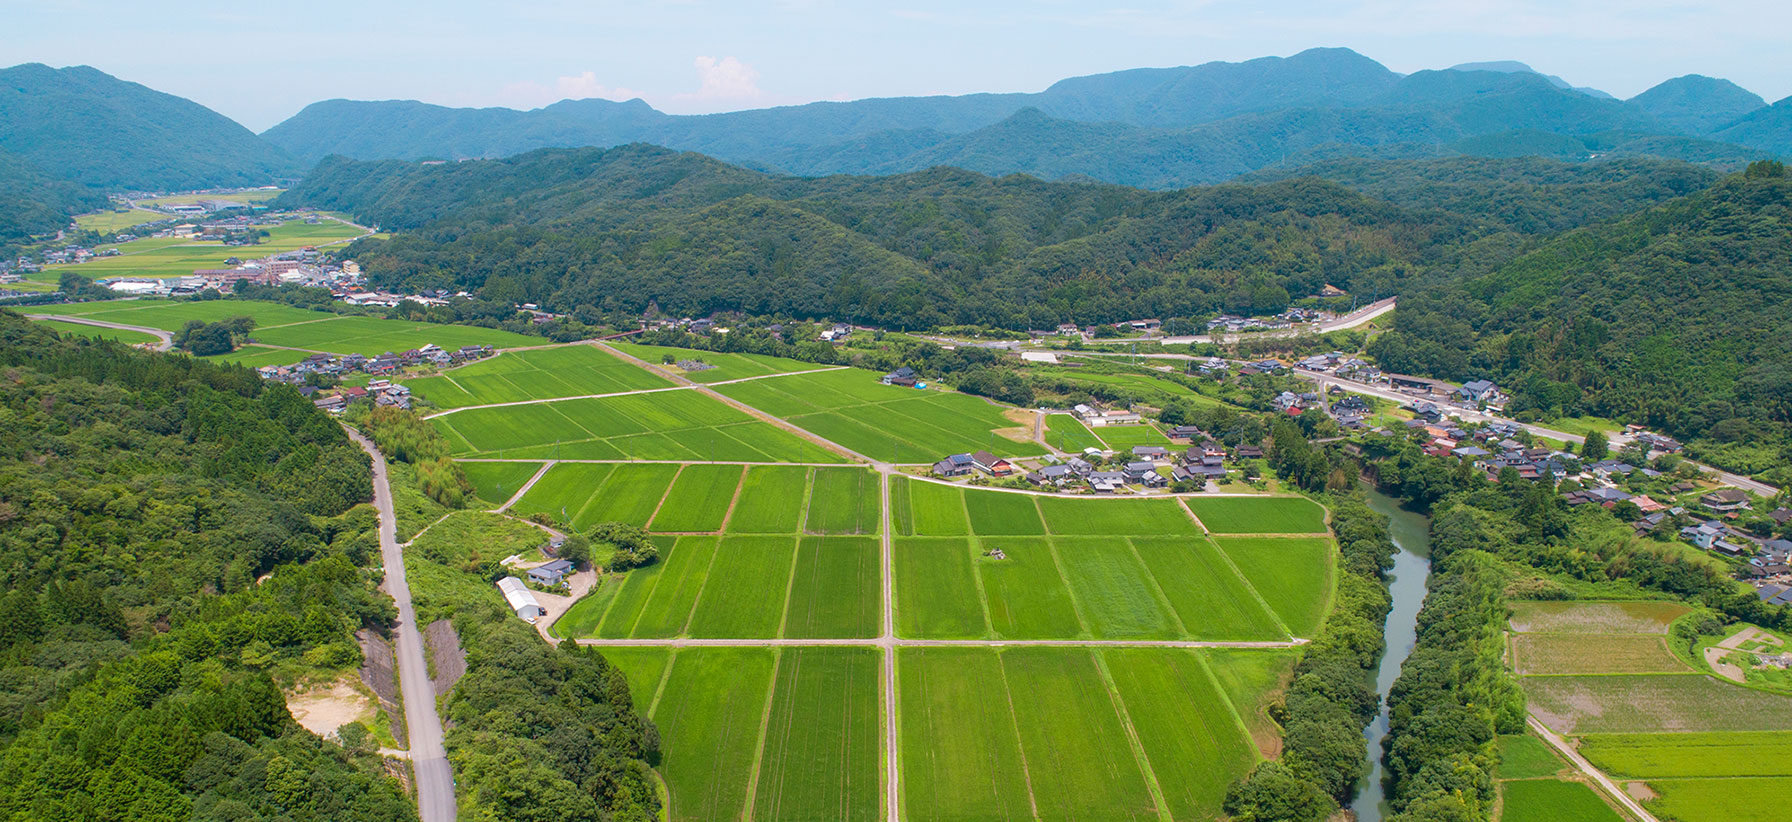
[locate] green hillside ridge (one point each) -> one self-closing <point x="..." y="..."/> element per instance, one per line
<point x="32" y="203"/>
<point x="1698" y="104"/>
<point x="83" y="125"/>
<point x="1671" y="317"/>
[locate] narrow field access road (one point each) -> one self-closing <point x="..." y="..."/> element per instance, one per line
<point x="166" y="339"/>
<point x="1351" y="320"/>
<point x="889" y="642"/>
<point x="1611" y="788"/>
<point x="429" y="760"/>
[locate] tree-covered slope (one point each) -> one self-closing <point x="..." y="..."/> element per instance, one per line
<point x="141" y="658"/>
<point x="83" y="125"/>
<point x="1673" y="317"/>
<point x="590" y="230"/>
<point x="1697" y="104"/>
<point x="32" y="203"/>
<point x="1768" y="129"/>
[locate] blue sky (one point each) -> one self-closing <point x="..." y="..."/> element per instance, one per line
<point x="261" y="62"/>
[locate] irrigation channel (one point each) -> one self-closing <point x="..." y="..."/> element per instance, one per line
<point x="1412" y="567"/>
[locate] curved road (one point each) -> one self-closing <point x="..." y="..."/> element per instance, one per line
<point x="429" y="760"/>
<point x="166" y="339"/>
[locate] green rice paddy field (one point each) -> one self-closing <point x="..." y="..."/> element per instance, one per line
<point x="152" y="257"/>
<point x="726" y="366"/>
<point x="666" y="425"/>
<point x="850" y="407"/>
<point x="283" y="325"/>
<point x="564" y="371"/>
<point x="1701" y="777"/>
<point x="1553" y="800"/>
<point x="1099" y="569"/>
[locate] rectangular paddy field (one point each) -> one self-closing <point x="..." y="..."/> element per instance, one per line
<point x="1593" y="654"/>
<point x="786" y="572"/>
<point x="289" y="327"/>
<point x="1068" y="734"/>
<point x="1098" y="569"/>
<point x="1068" y="434"/>
<point x="1258" y="515"/>
<point x="762" y="733"/>
<point x="546" y="373"/>
<point x="497" y="482"/>
<point x="850" y="407"/>
<point x="725" y="366"/>
<point x="1553" y="800"/>
<point x="1595" y="617"/>
<point x="681" y="425"/>
<point x="1621" y="703"/>
<point x="155" y="257"/>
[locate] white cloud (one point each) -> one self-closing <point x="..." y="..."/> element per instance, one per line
<point x="724" y="80"/>
<point x="530" y="94"/>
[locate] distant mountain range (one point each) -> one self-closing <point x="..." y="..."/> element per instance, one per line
<point x="1157" y="128"/>
<point x="85" y="126"/>
<point x="1154" y="128"/>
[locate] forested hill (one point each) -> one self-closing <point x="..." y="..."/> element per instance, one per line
<point x="589" y="231"/>
<point x="1674" y="317"/>
<point x="141" y="658"/>
<point x="33" y="203"/>
<point x="1154" y="128"/>
<point x="83" y="125"/>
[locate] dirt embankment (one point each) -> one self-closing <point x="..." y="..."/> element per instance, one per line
<point x="447" y="660"/>
<point x="378" y="672"/>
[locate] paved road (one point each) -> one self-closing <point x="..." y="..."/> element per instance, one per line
<point x="1581" y="764"/>
<point x="1351" y="320"/>
<point x="1324" y="380"/>
<point x="166" y="339"/>
<point x="429" y="761"/>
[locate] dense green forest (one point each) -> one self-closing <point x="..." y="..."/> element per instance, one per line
<point x="1672" y="317"/>
<point x="33" y="203"/>
<point x="591" y="231"/>
<point x="142" y="497"/>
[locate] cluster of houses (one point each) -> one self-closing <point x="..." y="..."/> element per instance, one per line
<point x="1203" y="460"/>
<point x="380" y="392"/>
<point x="1231" y="324"/>
<point x="903" y="377"/>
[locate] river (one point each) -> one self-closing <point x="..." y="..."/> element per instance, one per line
<point x="1412" y="566"/>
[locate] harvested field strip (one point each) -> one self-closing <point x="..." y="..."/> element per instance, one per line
<point x="698" y="499"/>
<point x="960" y="750"/>
<point x="1551" y="800"/>
<point x="771" y="500"/>
<point x="1595" y="617"/>
<point x="1623" y="703"/>
<point x="1655" y="755"/>
<point x="1744" y="799"/>
<point x="1188" y="729"/>
<point x="1080" y="764"/>
<point x="821" y="754"/>
<point x="709" y="719"/>
<point x="1594" y="654"/>
<point x="936" y="592"/>
<point x="667" y="610"/>
<point x="747" y="587"/>
<point x="1259" y="515"/>
<point x="836" y="591"/>
<point x="1293" y="575"/>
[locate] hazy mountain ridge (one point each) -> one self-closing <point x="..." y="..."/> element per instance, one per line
<point x="1151" y="127"/>
<point x="83" y="125"/>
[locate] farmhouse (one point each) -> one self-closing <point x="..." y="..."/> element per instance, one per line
<point x="1150" y="452"/>
<point x="1144" y="473"/>
<point x="904" y="376"/>
<point x="521" y="600"/>
<point x="956" y="465"/>
<point x="550" y="574"/>
<point x="1725" y="499"/>
<point x="1095" y="417"/>
<point x="991" y="464"/>
<point x="1106" y="482"/>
